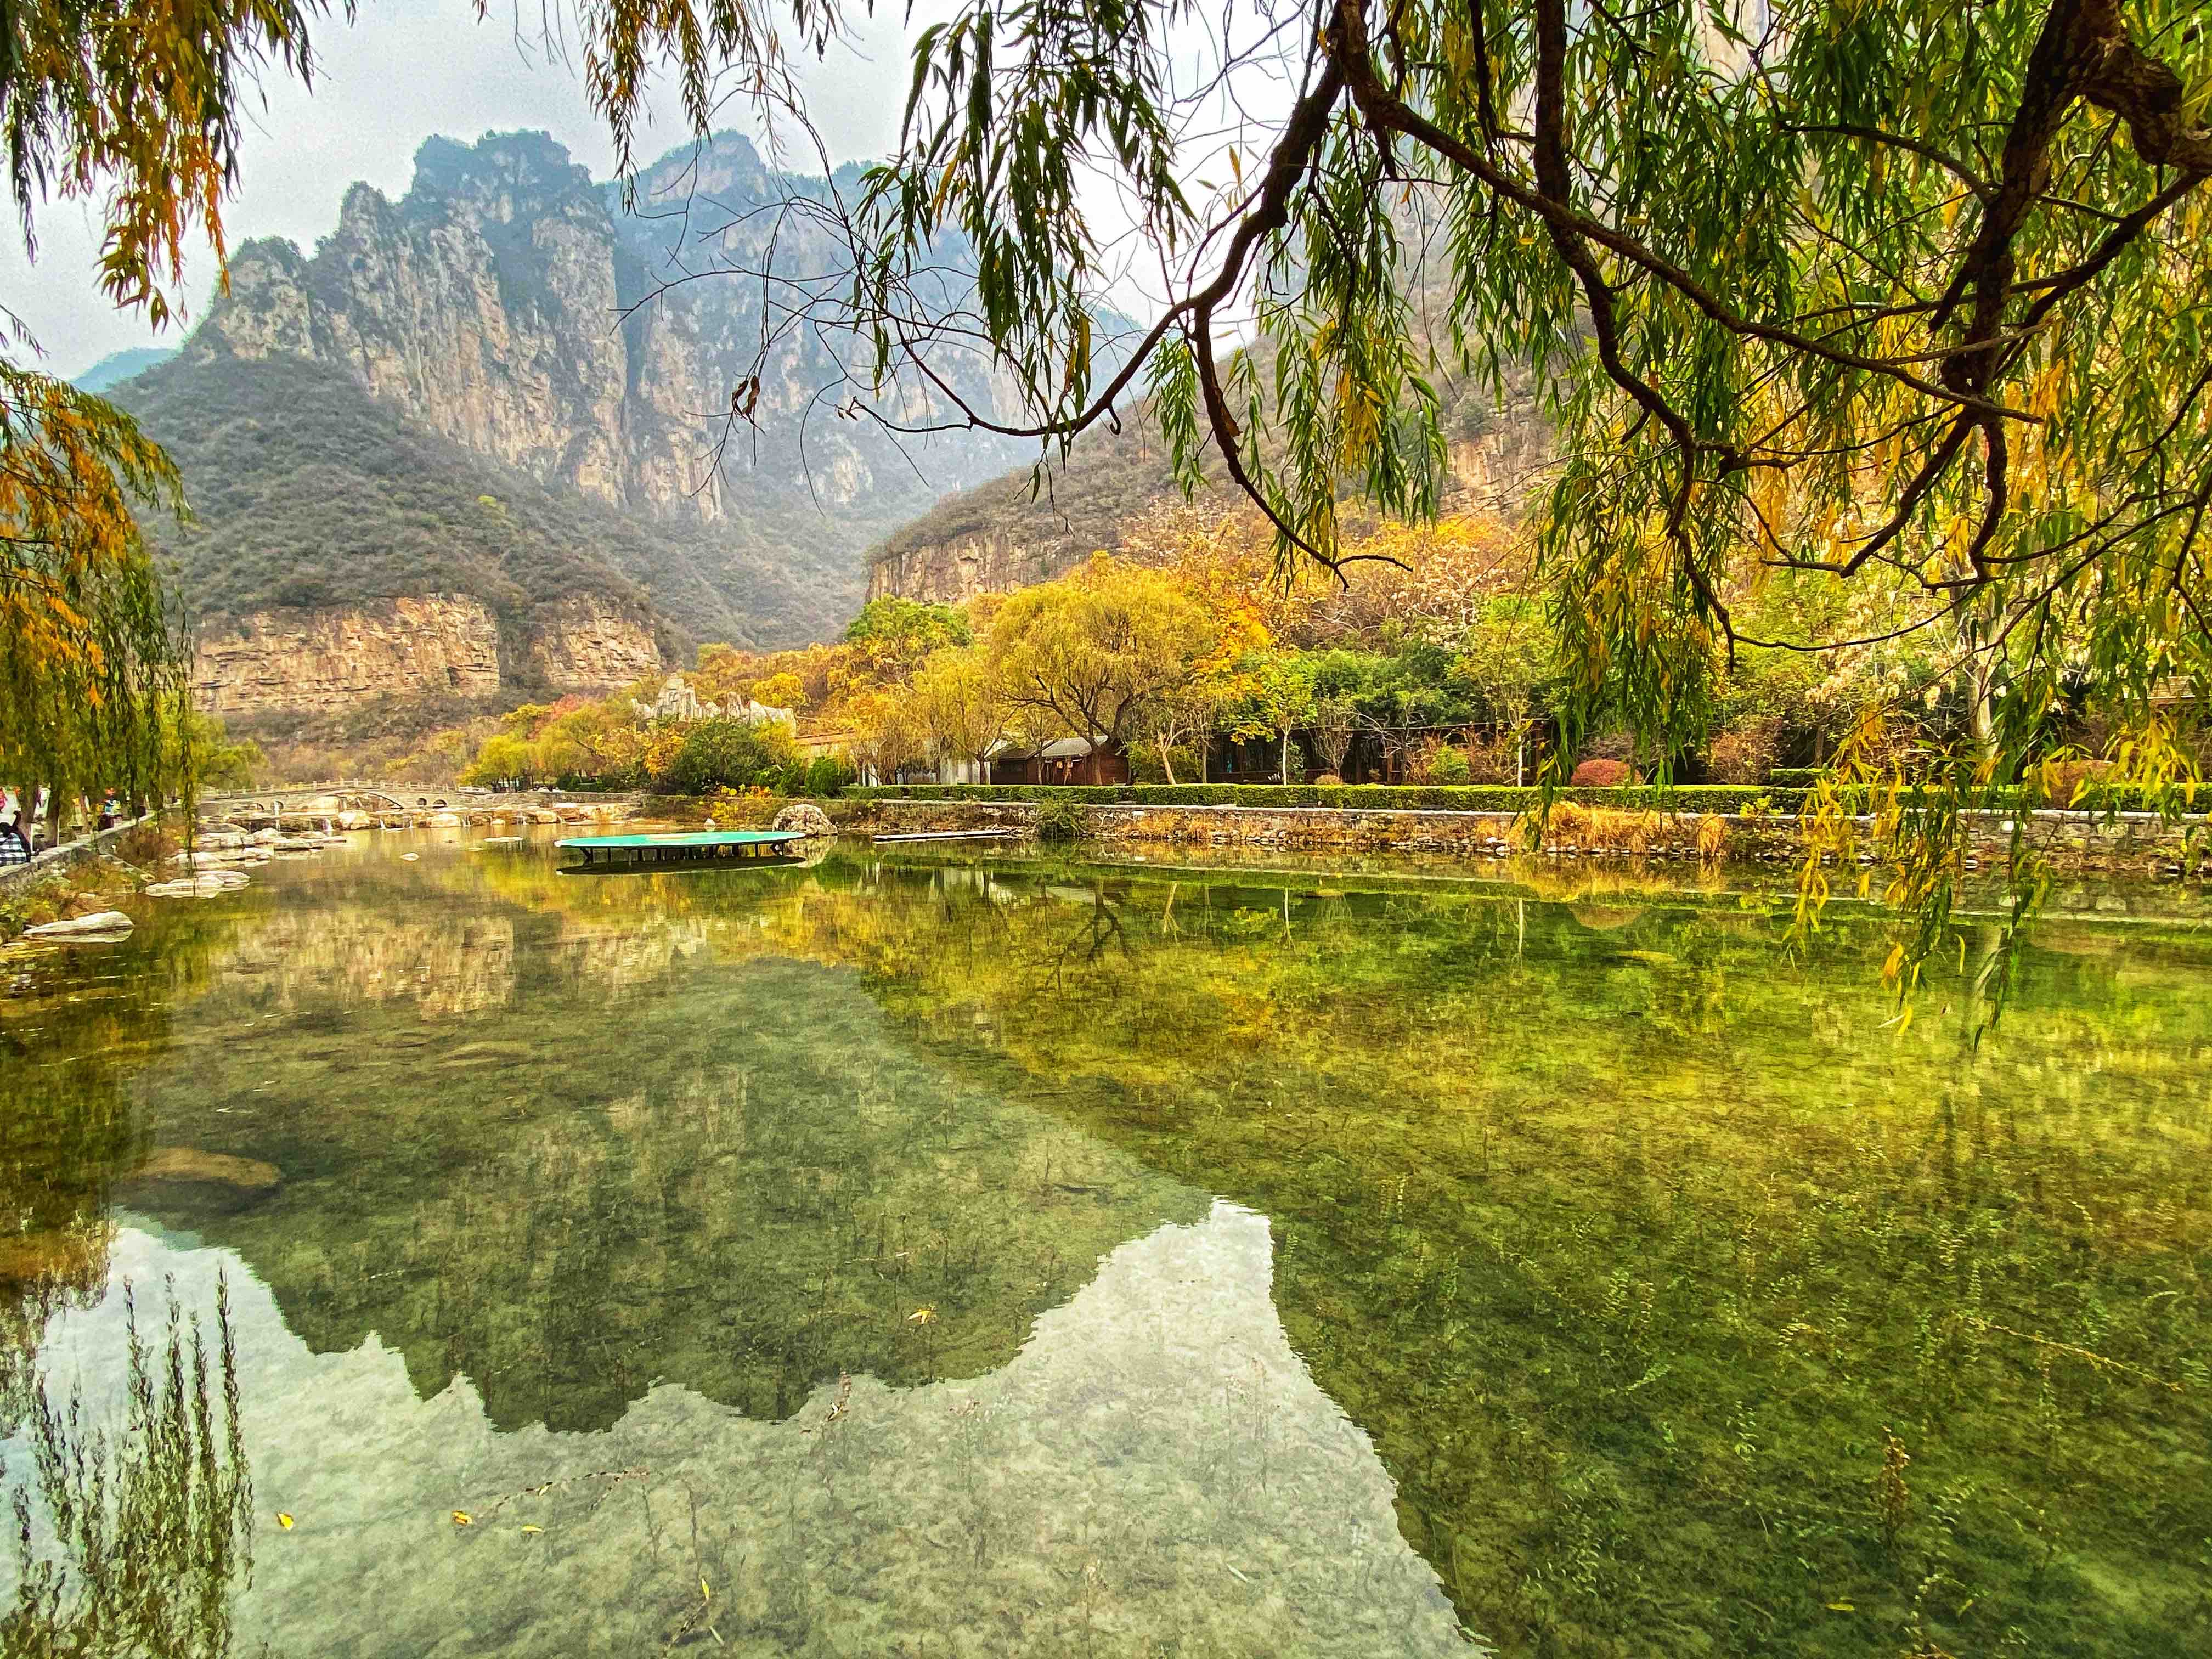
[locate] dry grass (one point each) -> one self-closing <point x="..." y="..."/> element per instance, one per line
<point x="1603" y="829"/>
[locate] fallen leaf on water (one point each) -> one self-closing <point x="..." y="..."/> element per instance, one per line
<point x="1841" y="1606"/>
<point x="284" y="1521"/>
<point x="705" y="1595"/>
<point x="529" y="1528"/>
<point x="462" y="1518"/>
<point x="922" y="1316"/>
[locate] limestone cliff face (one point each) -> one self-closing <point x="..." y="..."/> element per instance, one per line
<point x="334" y="657"/>
<point x="588" y="643"/>
<point x="984" y="561"/>
<point x="509" y="302"/>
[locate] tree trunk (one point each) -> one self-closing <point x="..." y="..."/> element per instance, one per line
<point x="1286" y="755"/>
<point x="1980" y="716"/>
<point x="1167" y="764"/>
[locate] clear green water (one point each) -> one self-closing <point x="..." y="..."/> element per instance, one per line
<point x="929" y="1258"/>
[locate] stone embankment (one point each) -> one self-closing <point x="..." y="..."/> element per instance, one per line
<point x="2133" y="843"/>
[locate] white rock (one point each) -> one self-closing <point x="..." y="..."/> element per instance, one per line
<point x="100" y="922"/>
<point x="206" y="884"/>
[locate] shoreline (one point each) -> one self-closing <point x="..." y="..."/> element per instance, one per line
<point x="2139" y="845"/>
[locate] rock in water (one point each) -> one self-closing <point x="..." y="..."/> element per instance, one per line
<point x="100" y="923"/>
<point x="188" y="1164"/>
<point x="807" y="818"/>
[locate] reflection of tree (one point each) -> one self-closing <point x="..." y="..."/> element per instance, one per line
<point x="64" y="1140"/>
<point x="152" y="1527"/>
<point x="1098" y="936"/>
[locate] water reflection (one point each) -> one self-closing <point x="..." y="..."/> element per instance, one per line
<point x="797" y="1230"/>
<point x="738" y="1179"/>
<point x="135" y="1534"/>
<point x="1153" y="1470"/>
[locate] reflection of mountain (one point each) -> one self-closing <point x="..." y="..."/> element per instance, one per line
<point x="738" y="1180"/>
<point x="445" y="963"/>
<point x="1150" y="1470"/>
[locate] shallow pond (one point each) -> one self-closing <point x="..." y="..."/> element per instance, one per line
<point x="933" y="1257"/>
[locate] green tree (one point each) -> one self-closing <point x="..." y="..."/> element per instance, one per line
<point x="1905" y="296"/>
<point x="731" y="755"/>
<point x="1275" y="697"/>
<point x="895" y="636"/>
<point x="201" y="744"/>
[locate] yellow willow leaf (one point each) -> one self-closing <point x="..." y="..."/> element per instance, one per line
<point x="463" y="1518"/>
<point x="529" y="1528"/>
<point x="284" y="1521"/>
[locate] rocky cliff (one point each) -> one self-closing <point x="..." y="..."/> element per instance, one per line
<point x="293" y="659"/>
<point x="586" y="643"/>
<point x="510" y="303"/>
<point x="329" y="657"/>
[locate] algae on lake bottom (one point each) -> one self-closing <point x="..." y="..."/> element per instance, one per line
<point x="1680" y="1296"/>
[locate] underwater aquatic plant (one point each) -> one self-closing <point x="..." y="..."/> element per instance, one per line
<point x="1893" y="1499"/>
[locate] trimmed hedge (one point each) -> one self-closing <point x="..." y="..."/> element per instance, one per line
<point x="1350" y="797"/>
<point x="1795" y="777"/>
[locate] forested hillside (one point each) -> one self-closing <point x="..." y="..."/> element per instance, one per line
<point x="305" y="491"/>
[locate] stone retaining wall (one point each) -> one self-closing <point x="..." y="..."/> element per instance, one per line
<point x="2137" y="843"/>
<point x="57" y="859"/>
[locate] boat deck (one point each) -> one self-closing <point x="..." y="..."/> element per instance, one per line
<point x="693" y="847"/>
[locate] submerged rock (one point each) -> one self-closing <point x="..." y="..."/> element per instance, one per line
<point x="98" y="924"/>
<point x="206" y="884"/>
<point x="188" y="1164"/>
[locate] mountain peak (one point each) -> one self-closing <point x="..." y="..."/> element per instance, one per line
<point x="507" y="173"/>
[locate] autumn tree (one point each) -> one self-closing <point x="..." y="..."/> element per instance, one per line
<point x="1096" y="651"/>
<point x="139" y="108"/>
<point x="887" y="733"/>
<point x="962" y="707"/>
<point x="1905" y="297"/>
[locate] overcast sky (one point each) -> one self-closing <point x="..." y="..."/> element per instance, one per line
<point x="408" y="68"/>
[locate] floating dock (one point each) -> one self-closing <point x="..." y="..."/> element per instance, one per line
<point x="949" y="834"/>
<point x="695" y="847"/>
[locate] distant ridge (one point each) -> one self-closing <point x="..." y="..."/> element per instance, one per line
<point x="120" y="366"/>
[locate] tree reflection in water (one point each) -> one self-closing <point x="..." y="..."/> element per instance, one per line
<point x="133" y="1541"/>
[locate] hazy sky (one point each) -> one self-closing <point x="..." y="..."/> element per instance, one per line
<point x="406" y="70"/>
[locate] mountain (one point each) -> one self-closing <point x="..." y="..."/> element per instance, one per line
<point x="119" y="365"/>
<point x="510" y="329"/>
<point x="1005" y="534"/>
<point x="337" y="552"/>
<point x="509" y="302"/>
